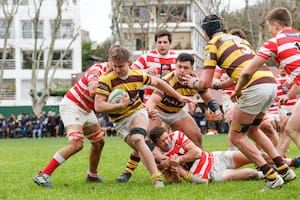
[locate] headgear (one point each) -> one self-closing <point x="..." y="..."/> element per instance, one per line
<point x="212" y="24"/>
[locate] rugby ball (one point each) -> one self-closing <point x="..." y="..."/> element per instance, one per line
<point x="115" y="95"/>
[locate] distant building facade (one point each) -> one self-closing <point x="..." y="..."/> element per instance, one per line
<point x="17" y="71"/>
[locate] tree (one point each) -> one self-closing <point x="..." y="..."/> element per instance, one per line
<point x="148" y="16"/>
<point x="39" y="100"/>
<point x="9" y="14"/>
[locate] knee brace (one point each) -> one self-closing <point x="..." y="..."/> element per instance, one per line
<point x="149" y="144"/>
<point x="241" y="128"/>
<point x="140" y="131"/>
<point x="256" y="122"/>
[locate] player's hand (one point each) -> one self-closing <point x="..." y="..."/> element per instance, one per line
<point x="152" y="113"/>
<point x="151" y="71"/>
<point x="125" y="100"/>
<point x="174" y="162"/>
<point x="235" y="95"/>
<point x="190" y="80"/>
<point x="282" y="100"/>
<point x="218" y="115"/>
<point x="228" y="115"/>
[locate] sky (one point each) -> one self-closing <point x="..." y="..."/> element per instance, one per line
<point x="96" y="17"/>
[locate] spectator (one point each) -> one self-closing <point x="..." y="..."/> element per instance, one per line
<point x="37" y="129"/>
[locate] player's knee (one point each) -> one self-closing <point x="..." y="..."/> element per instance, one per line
<point x="138" y="135"/>
<point x="76" y="145"/>
<point x="238" y="127"/>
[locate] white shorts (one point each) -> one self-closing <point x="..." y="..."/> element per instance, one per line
<point x="123" y="126"/>
<point x="223" y="160"/>
<point x="226" y="102"/>
<point x="257" y="98"/>
<point x="170" y="118"/>
<point x="71" y="114"/>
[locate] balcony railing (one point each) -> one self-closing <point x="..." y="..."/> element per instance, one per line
<point x="28" y="64"/>
<point x="10" y="33"/>
<point x="7" y="95"/>
<point x="65" y="64"/>
<point x="9" y="64"/>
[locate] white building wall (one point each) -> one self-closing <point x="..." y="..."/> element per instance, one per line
<point x="23" y="77"/>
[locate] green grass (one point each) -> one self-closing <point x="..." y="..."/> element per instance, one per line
<point x="21" y="159"/>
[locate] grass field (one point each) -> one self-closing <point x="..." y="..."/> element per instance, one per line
<point x="21" y="159"/>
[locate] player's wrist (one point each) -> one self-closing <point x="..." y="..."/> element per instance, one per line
<point x="195" y="84"/>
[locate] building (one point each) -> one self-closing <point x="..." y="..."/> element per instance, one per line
<point x="136" y="21"/>
<point x="17" y="70"/>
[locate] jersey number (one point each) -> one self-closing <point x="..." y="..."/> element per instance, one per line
<point x="297" y="45"/>
<point x="245" y="49"/>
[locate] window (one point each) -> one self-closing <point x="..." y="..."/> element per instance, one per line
<point x="65" y="30"/>
<point x="134" y="13"/>
<point x="21" y="2"/>
<point x="2" y="29"/>
<point x="28" y="29"/>
<point x="10" y="58"/>
<point x="172" y="13"/>
<point x="28" y="60"/>
<point x="66" y="61"/>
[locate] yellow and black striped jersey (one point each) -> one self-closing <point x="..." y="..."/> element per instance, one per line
<point x="132" y="84"/>
<point x="233" y="54"/>
<point x="170" y="104"/>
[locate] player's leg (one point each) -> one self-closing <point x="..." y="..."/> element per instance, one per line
<point x="268" y="129"/>
<point x="136" y="139"/>
<point x="75" y="134"/>
<point x="185" y="123"/>
<point x="293" y="125"/>
<point x="241" y="174"/>
<point x="96" y="136"/>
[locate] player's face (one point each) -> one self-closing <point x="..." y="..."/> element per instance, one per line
<point x="272" y="28"/>
<point x="121" y="68"/>
<point x="163" y="45"/>
<point x="183" y="68"/>
<point x="163" y="142"/>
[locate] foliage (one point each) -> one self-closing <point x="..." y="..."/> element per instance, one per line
<point x="24" y="158"/>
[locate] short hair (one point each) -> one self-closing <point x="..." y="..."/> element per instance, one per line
<point x="281" y="15"/>
<point x="155" y="133"/>
<point x="238" y="32"/>
<point x="162" y="33"/>
<point x="212" y="24"/>
<point x="185" y="57"/>
<point x="119" y="53"/>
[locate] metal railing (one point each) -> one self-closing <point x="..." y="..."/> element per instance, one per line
<point x="7" y="95"/>
<point x="9" y="64"/>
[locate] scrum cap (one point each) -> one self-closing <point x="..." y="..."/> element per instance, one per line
<point x="212" y="24"/>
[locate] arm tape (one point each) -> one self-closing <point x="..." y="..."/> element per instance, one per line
<point x="213" y="105"/>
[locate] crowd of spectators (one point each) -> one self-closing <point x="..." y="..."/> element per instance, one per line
<point x="31" y="126"/>
<point x="50" y="124"/>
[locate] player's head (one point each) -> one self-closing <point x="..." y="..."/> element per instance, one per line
<point x="160" y="138"/>
<point x="212" y="24"/>
<point x="238" y="32"/>
<point x="184" y="65"/>
<point x="120" y="58"/>
<point x="163" y="40"/>
<point x="277" y="19"/>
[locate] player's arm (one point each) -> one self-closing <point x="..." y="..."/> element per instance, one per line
<point x="246" y="75"/>
<point x="192" y="153"/>
<point x="222" y="84"/>
<point x="165" y="87"/>
<point x="92" y="87"/>
<point x="155" y="98"/>
<point x="212" y="104"/>
<point x="101" y="105"/>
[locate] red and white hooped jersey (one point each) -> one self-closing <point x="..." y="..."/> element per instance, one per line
<point x="79" y="93"/>
<point x="282" y="89"/>
<point x="162" y="64"/>
<point x="285" y="46"/>
<point x="201" y="166"/>
<point x="227" y="91"/>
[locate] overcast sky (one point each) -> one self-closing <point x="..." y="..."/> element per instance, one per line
<point x="96" y="17"/>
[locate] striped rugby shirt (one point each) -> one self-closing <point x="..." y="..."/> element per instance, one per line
<point x="79" y="93"/>
<point x="162" y="63"/>
<point x="285" y="46"/>
<point x="132" y="84"/>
